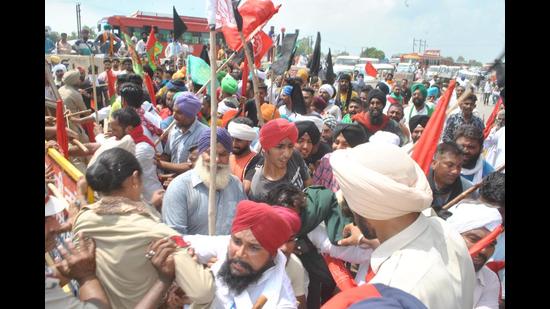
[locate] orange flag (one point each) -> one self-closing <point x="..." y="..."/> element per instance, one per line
<point x="62" y="138"/>
<point x="425" y="147"/>
<point x="492" y="118"/>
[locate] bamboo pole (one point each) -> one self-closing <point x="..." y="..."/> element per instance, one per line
<point x="255" y="82"/>
<point x="79" y="145"/>
<point x="200" y="90"/>
<point x="260" y="302"/>
<point x="213" y="136"/>
<point x="462" y="195"/>
<point x="94" y="77"/>
<point x="78" y="113"/>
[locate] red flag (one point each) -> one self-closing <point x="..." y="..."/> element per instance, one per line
<point x="149" y="84"/>
<point x="62" y="138"/>
<point x="92" y="104"/>
<point x="111" y="90"/>
<point x="245" y="73"/>
<point x="262" y="43"/>
<point x="89" y="127"/>
<point x="485" y="241"/>
<point x="427" y="144"/>
<point x="491" y="119"/>
<point x="340" y="273"/>
<point x="255" y="13"/>
<point x="371" y="70"/>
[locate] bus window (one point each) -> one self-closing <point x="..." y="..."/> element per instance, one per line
<point x="164" y="35"/>
<point x="205" y="38"/>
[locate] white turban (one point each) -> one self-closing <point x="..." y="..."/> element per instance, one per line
<point x="385" y="137"/>
<point x="242" y="131"/>
<point x="380" y="181"/>
<point x="58" y="67"/>
<point x="127" y="143"/>
<point x="318" y="121"/>
<point x="471" y="215"/>
<point x="328" y="88"/>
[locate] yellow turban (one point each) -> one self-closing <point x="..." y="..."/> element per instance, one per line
<point x="179" y="74"/>
<point x="302" y="73"/>
<point x="380" y="181"/>
<point x="55" y="59"/>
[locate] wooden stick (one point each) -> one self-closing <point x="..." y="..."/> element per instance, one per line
<point x="260" y="302"/>
<point x="94" y="77"/>
<point x="79" y="145"/>
<point x="255" y="82"/>
<point x="213" y="136"/>
<point x="462" y="195"/>
<point x="200" y="90"/>
<point x="78" y="113"/>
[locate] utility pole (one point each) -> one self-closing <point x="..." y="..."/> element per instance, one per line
<point x="78" y="25"/>
<point x="414" y="44"/>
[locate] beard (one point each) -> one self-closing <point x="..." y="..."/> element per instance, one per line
<point x="240" y="152"/>
<point x="239" y="283"/>
<point x="470" y="163"/>
<point x="417" y="102"/>
<point x="368" y="231"/>
<point x="375" y="116"/>
<point x="223" y="174"/>
<point x="480" y="261"/>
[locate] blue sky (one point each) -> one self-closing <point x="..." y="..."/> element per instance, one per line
<point x="473" y="29"/>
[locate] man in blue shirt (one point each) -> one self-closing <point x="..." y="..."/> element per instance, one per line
<point x="50" y="46"/>
<point x="185" y="203"/>
<point x="84" y="46"/>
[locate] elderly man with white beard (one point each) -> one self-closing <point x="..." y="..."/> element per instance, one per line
<point x="185" y="203"/>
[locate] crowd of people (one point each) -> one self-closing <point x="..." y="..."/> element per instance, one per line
<point x="318" y="175"/>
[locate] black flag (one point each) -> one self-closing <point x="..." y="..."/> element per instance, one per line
<point x="285" y="56"/>
<point x="204" y="54"/>
<point x="315" y="63"/>
<point x="330" y="76"/>
<point x="238" y="17"/>
<point x="179" y="25"/>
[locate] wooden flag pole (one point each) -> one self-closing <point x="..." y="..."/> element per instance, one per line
<point x="213" y="136"/>
<point x="200" y="90"/>
<point x="56" y="92"/>
<point x="255" y="81"/>
<point x="462" y="195"/>
<point x="94" y="77"/>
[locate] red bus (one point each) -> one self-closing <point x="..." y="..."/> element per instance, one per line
<point x="196" y="35"/>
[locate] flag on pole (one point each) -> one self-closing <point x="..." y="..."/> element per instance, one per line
<point x="136" y="62"/>
<point x="198" y="70"/>
<point x="330" y="76"/>
<point x="62" y="138"/>
<point x="425" y="147"/>
<point x="154" y="48"/>
<point x="315" y="64"/>
<point x="261" y="43"/>
<point x="491" y="119"/>
<point x="288" y="46"/>
<point x="370" y="69"/>
<point x="255" y="14"/>
<point x="179" y="26"/>
<point x="150" y="89"/>
<point x="111" y="89"/>
<point x="245" y="73"/>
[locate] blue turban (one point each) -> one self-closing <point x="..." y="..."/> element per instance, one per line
<point x="287" y="90"/>
<point x="177" y="84"/>
<point x="433" y="92"/>
<point x="222" y="136"/>
<point x="188" y="103"/>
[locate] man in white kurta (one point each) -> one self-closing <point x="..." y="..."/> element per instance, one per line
<point x="235" y="249"/>
<point x="474" y="220"/>
<point x="387" y="191"/>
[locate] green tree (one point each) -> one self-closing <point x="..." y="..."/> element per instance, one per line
<point x="303" y="47"/>
<point x="460" y="59"/>
<point x="373" y="52"/>
<point x="475" y="63"/>
<point x="342" y="53"/>
<point x="450" y="59"/>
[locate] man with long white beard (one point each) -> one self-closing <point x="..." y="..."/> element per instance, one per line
<point x="185" y="203"/>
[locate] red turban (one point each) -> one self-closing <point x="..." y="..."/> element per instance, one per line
<point x="269" y="228"/>
<point x="273" y="132"/>
<point x="291" y="217"/>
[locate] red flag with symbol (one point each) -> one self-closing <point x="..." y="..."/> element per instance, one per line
<point x="425" y="146"/>
<point x="262" y="43"/>
<point x="370" y="69"/>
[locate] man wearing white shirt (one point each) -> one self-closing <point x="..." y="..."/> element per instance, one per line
<point x="250" y="265"/>
<point x="127" y="122"/>
<point x="140" y="46"/>
<point x="173" y="49"/>
<point x="474" y="220"/>
<point x="387" y="191"/>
